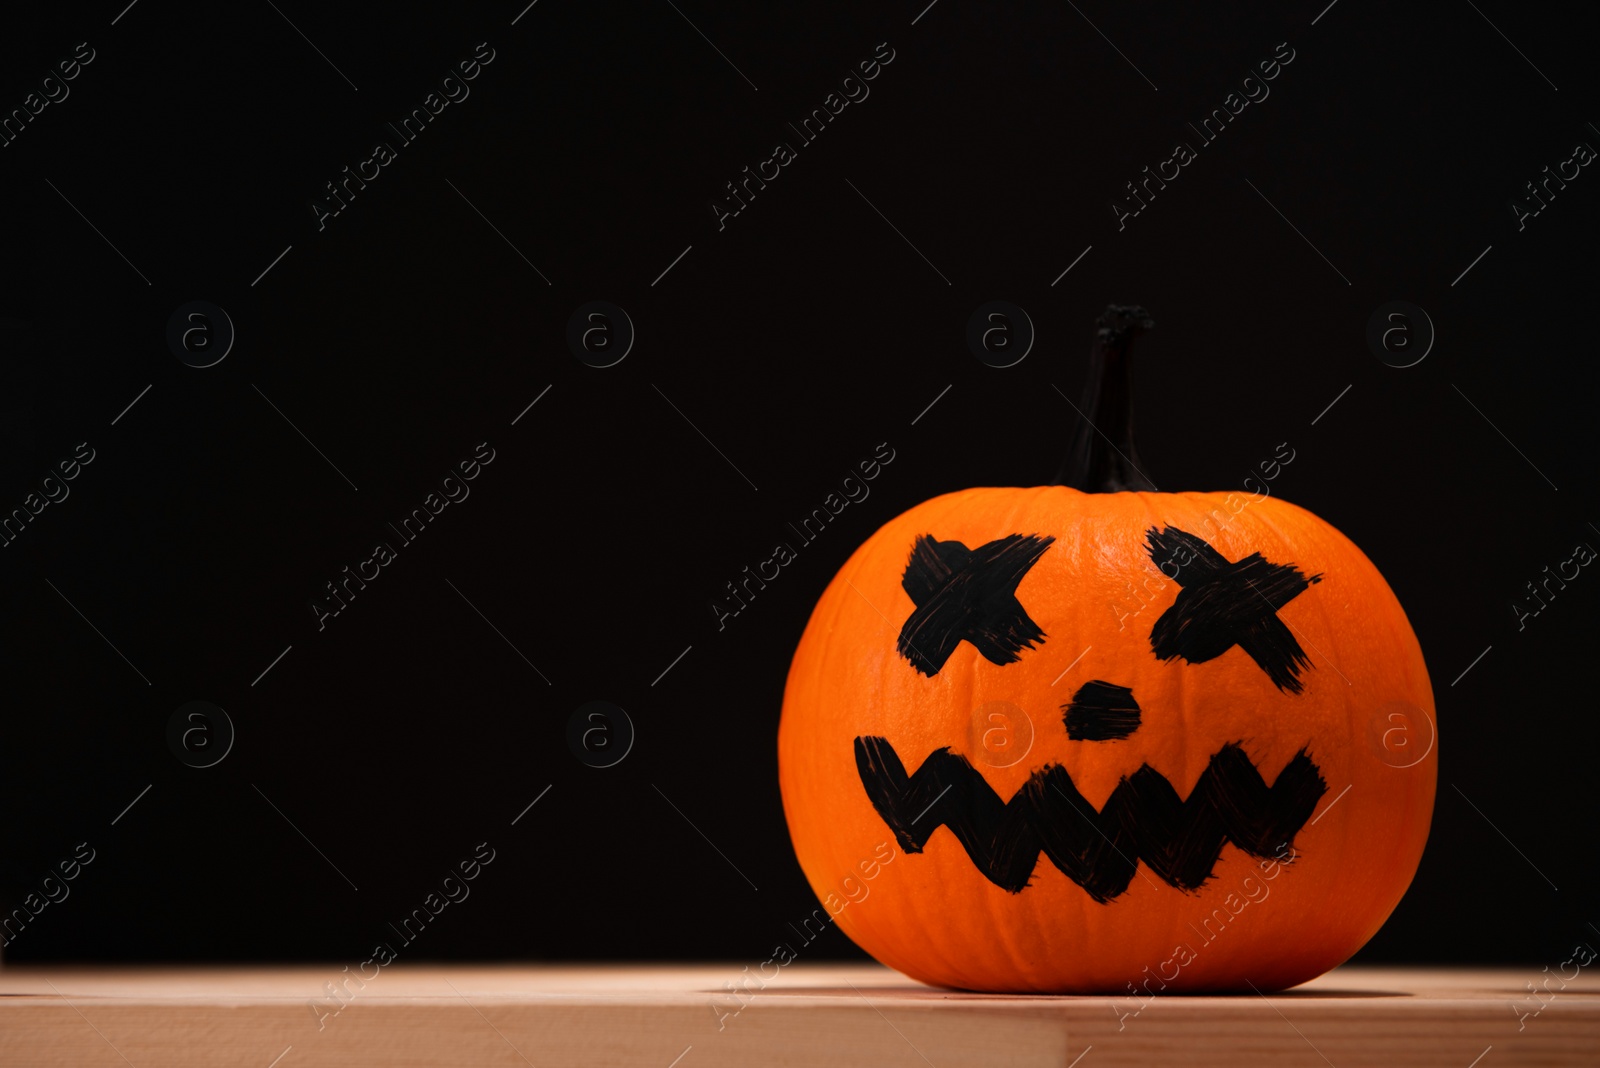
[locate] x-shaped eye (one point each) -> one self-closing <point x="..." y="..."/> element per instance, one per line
<point x="1225" y="603"/>
<point x="968" y="595"/>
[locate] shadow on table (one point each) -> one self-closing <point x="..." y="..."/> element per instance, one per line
<point x="918" y="992"/>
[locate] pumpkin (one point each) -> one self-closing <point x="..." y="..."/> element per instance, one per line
<point x="1091" y="737"/>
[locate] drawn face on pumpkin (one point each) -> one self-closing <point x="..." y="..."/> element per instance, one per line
<point x="1201" y="688"/>
<point x="970" y="595"/>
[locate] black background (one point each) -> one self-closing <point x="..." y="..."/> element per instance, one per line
<point x="796" y="339"/>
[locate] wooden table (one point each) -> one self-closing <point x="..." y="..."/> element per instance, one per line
<point x="684" y="1017"/>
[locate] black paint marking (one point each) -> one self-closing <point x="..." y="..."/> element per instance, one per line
<point x="1143" y="819"/>
<point x="969" y="595"/>
<point x="1101" y="712"/>
<point x="1223" y="604"/>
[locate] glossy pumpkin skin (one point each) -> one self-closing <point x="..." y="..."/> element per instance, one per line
<point x="1365" y="716"/>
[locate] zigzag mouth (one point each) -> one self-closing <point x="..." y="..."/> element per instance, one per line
<point x="1144" y="819"/>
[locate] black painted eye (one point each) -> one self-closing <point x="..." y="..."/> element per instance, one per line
<point x="968" y="595"/>
<point x="1225" y="603"/>
<point x="1101" y="712"/>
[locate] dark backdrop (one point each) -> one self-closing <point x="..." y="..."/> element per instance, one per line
<point x="373" y="754"/>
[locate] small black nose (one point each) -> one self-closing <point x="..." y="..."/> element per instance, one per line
<point x="1101" y="712"/>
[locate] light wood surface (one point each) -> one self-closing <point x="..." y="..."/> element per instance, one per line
<point x="666" y="1016"/>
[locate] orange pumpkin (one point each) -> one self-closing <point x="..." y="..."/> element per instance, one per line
<point x="1096" y="738"/>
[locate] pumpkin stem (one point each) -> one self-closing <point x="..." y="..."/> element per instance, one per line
<point x="1103" y="459"/>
